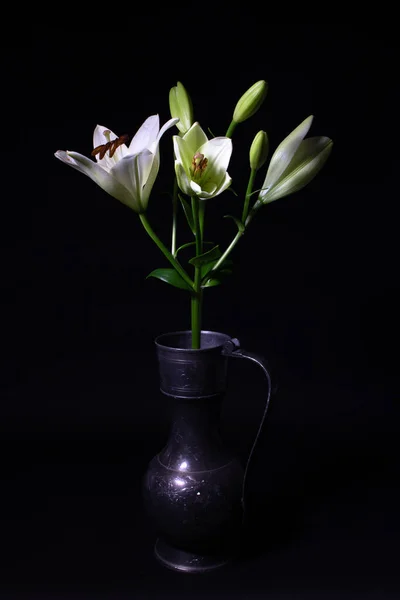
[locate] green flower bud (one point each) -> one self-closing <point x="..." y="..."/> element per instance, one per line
<point x="295" y="162"/>
<point x="250" y="102"/>
<point x="181" y="107"/>
<point x="259" y="151"/>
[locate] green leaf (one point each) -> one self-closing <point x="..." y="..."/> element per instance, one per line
<point x="183" y="247"/>
<point x="187" y="209"/>
<point x="206" y="257"/>
<point x="207" y="268"/>
<point x="239" y="223"/>
<point x="191" y="244"/>
<point x="219" y="278"/>
<point x="170" y="276"/>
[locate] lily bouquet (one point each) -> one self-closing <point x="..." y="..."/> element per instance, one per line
<point x="128" y="172"/>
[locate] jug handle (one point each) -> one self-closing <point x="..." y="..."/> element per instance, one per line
<point x="232" y="349"/>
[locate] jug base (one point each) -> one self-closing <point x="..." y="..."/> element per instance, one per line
<point x="189" y="562"/>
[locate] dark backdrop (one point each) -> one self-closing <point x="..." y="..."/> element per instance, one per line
<point x="314" y="289"/>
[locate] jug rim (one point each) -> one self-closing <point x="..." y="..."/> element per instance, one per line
<point x="210" y="339"/>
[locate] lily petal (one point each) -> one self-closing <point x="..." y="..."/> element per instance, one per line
<point x="148" y="186"/>
<point x="210" y="187"/>
<point x="196" y="189"/>
<point x="208" y="192"/>
<point x="307" y="162"/>
<point x="226" y="182"/>
<point x="133" y="172"/>
<point x="165" y="127"/>
<point x="183" y="153"/>
<point x="104" y="179"/>
<point x="284" y="154"/>
<point x="195" y="138"/>
<point x="154" y="146"/>
<point x="182" y="178"/>
<point x="146" y="135"/>
<point x="218" y="152"/>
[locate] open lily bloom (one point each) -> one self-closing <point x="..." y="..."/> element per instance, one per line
<point x="295" y="163"/>
<point x="126" y="173"/>
<point x="201" y="164"/>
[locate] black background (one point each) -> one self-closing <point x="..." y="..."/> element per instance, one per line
<point x="314" y="289"/>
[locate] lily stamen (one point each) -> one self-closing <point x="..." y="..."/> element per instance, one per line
<point x="199" y="164"/>
<point x="109" y="146"/>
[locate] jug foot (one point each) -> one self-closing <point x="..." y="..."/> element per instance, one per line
<point x="189" y="562"/>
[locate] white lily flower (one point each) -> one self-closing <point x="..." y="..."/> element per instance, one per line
<point x="295" y="163"/>
<point x="201" y="164"/>
<point x="126" y="173"/>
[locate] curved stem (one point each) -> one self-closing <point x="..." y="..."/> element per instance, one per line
<point x="253" y="212"/>
<point x="231" y="129"/>
<point x="237" y="237"/>
<point x="225" y="254"/>
<point x="165" y="250"/>
<point x="248" y="194"/>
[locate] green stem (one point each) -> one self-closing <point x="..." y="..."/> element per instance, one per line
<point x="235" y="240"/>
<point x="202" y="209"/>
<point x="165" y="250"/>
<point x="246" y="218"/>
<point x="248" y="194"/>
<point x="193" y="315"/>
<point x="197" y="296"/>
<point x="174" y="216"/>
<point x="225" y="254"/>
<point x="196" y="305"/>
<point x="253" y="212"/>
<point x="231" y="129"/>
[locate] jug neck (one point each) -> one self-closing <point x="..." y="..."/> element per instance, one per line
<point x="189" y="373"/>
<point x="194" y="442"/>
